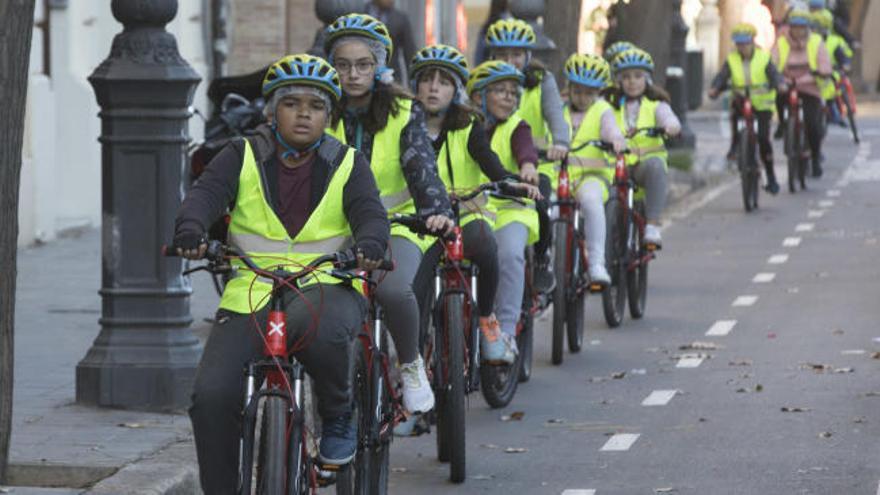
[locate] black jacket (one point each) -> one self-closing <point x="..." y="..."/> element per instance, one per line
<point x="217" y="188"/>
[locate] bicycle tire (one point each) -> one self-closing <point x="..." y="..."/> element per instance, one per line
<point x="637" y="278"/>
<point x="851" y="116"/>
<point x="298" y="466"/>
<point x="272" y="447"/>
<point x="353" y="479"/>
<point x="379" y="401"/>
<point x="560" y="262"/>
<point x="453" y="371"/>
<point x="793" y="153"/>
<point x="525" y="342"/>
<point x="614" y="296"/>
<point x="498" y="382"/>
<point x="743" y="159"/>
<point x="574" y="310"/>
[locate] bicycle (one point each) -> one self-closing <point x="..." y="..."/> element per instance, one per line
<point x="275" y="385"/>
<point x="451" y="346"/>
<point x="846" y="99"/>
<point x="570" y="268"/>
<point x="795" y="140"/>
<point x="627" y="257"/>
<point x="746" y="141"/>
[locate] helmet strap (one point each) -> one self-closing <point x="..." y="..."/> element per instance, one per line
<point x="290" y="151"/>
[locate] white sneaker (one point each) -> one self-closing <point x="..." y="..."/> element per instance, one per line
<point x="417" y="394"/>
<point x="652" y="235"/>
<point x="599" y="275"/>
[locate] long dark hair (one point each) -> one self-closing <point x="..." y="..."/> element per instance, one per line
<point x="382" y="104"/>
<point x="459" y="115"/>
<point x="652" y="92"/>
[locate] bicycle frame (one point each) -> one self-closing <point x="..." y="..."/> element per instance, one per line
<point x="626" y="189"/>
<point x="570" y="214"/>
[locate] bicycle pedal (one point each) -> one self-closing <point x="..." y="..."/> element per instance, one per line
<point x="652" y="247"/>
<point x="329" y="469"/>
<point x="597" y="288"/>
<point x="326" y="478"/>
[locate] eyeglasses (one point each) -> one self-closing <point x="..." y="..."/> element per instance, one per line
<point x="502" y="92"/>
<point x="361" y="67"/>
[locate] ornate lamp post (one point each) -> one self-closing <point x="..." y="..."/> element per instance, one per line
<point x="145" y="355"/>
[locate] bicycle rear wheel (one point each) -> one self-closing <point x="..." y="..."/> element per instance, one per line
<point x="637" y="278"/>
<point x="851" y="116"/>
<point x="525" y="340"/>
<point x="745" y="159"/>
<point x="793" y="153"/>
<point x="614" y="296"/>
<point x="271" y="469"/>
<point x="560" y="264"/>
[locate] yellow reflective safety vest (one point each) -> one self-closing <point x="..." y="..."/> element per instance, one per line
<point x="510" y="211"/>
<point x="388" y="170"/>
<point x="583" y="159"/>
<point x="461" y="174"/>
<point x="826" y="85"/>
<point x="763" y="97"/>
<point x="642" y="145"/>
<point x="532" y="112"/>
<point x="255" y="229"/>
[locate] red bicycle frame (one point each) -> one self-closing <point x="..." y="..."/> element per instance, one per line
<point x="570" y="212"/>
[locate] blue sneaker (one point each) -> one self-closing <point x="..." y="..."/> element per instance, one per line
<point x="338" y="440"/>
<point x="496" y="347"/>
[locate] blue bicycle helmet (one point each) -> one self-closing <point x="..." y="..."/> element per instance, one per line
<point x="510" y="33"/>
<point x="800" y="18"/>
<point x="304" y="70"/>
<point x="490" y="72"/>
<point x="443" y="56"/>
<point x="615" y="48"/>
<point x="634" y="58"/>
<point x="587" y="70"/>
<point x="359" y="25"/>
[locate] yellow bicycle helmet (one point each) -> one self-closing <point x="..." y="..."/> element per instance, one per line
<point x="490" y="72"/>
<point x="799" y="18"/>
<point x="744" y="33"/>
<point x="359" y="25"/>
<point x="302" y="70"/>
<point x="510" y="33"/>
<point x="824" y="19"/>
<point x="588" y="70"/>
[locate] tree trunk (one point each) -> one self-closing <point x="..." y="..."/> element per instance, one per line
<point x="16" y="25"/>
<point x="562" y="24"/>
<point x="645" y="23"/>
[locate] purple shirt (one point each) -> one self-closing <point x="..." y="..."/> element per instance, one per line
<point x="294" y="195"/>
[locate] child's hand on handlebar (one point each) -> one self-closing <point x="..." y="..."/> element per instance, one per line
<point x="556" y="152"/>
<point x="529" y="173"/>
<point x="439" y="223"/>
<point x="531" y="191"/>
<point x="191" y="245"/>
<point x="368" y="260"/>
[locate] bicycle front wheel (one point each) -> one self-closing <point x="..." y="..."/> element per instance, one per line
<point x="616" y="259"/>
<point x="637" y="278"/>
<point x="577" y="298"/>
<point x="452" y="413"/>
<point x="272" y="447"/>
<point x="745" y="159"/>
<point x="353" y="479"/>
<point x="793" y="153"/>
<point x="561" y="253"/>
<point x="851" y="116"/>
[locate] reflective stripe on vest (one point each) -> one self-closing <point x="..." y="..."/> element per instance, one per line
<point x="590" y="129"/>
<point x="385" y="160"/>
<point x="641" y="145"/>
<point x="462" y="174"/>
<point x="256" y="229"/>
<point x="763" y="98"/>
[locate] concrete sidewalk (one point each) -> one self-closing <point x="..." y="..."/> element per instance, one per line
<point x="66" y="448"/>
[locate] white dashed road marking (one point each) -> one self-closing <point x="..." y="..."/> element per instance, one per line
<point x="659" y="398"/>
<point x="764" y="277"/>
<point x="620" y="442"/>
<point x="777" y="259"/>
<point x="853" y="352"/>
<point x="689" y="362"/>
<point x="815" y="213"/>
<point x="745" y="301"/>
<point x="721" y="328"/>
<point x="832" y="193"/>
<point x="826" y="203"/>
<point x="578" y="491"/>
<point x="804" y="227"/>
<point x="791" y="242"/>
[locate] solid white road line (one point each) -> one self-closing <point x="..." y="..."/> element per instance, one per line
<point x="832" y="193"/>
<point x="578" y="491"/>
<point x="620" y="442"/>
<point x="659" y="398"/>
<point x="745" y="301"/>
<point x="777" y="259"/>
<point x="804" y="227"/>
<point x="689" y="362"/>
<point x="791" y="242"/>
<point x="764" y="277"/>
<point x="815" y="213"/>
<point x="721" y="328"/>
<point x="826" y="203"/>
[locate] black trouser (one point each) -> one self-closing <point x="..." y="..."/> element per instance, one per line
<point x="543" y="206"/>
<point x="812" y="119"/>
<point x="480" y="248"/>
<point x="765" y="147"/>
<point x="218" y="393"/>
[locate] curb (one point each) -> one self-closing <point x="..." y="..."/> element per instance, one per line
<point x="170" y="471"/>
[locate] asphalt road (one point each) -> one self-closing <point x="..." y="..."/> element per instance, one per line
<point x="782" y="398"/>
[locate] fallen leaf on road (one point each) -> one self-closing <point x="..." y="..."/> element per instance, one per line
<point x="875" y="355"/>
<point x="859" y="420"/>
<point x="130" y="425"/>
<point x="703" y="420"/>
<point x="619" y="375"/>
<point x="699" y="346"/>
<point x="515" y="450"/>
<point x="742" y="390"/>
<point x="825" y="434"/>
<point x="872" y="394"/>
<point x="514" y="416"/>
<point x="741" y="362"/>
<point x="837" y="332"/>
<point x="759" y="388"/>
<point x="795" y="409"/>
<point x="771" y="335"/>
<point x="555" y="421"/>
<point x="664" y="490"/>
